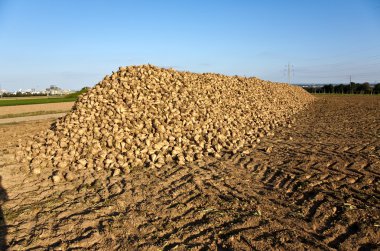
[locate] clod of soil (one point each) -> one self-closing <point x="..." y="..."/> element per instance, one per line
<point x="145" y="116"/>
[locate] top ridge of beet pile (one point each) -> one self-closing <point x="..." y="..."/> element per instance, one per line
<point x="145" y="116"/>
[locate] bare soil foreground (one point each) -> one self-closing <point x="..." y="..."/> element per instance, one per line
<point x="312" y="186"/>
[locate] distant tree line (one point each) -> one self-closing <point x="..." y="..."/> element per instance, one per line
<point x="76" y="94"/>
<point x="352" y="88"/>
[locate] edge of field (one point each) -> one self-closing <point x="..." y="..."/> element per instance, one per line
<point x="343" y="94"/>
<point x="16" y="120"/>
<point x="14" y="102"/>
<point x="28" y="114"/>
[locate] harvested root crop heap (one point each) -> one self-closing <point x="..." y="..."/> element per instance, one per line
<point x="145" y="116"/>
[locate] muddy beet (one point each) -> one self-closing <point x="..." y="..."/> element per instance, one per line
<point x="145" y="116"/>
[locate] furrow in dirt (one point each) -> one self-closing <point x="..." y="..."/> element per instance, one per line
<point x="316" y="189"/>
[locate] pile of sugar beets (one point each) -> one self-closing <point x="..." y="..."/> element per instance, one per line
<point x="146" y="116"/>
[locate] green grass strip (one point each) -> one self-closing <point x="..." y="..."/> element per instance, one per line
<point x="12" y="102"/>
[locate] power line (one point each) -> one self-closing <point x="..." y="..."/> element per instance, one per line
<point x="289" y="72"/>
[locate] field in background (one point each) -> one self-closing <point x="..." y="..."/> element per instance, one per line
<point x="31" y="97"/>
<point x="42" y="99"/>
<point x="27" y="114"/>
<point x="31" y="101"/>
<point x="13" y="110"/>
<point x="18" y="113"/>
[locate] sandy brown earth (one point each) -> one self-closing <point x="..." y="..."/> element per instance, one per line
<point x="31" y="118"/>
<point x="4" y="110"/>
<point x="312" y="186"/>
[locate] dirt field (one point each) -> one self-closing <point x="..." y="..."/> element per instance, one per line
<point x="31" y="118"/>
<point x="35" y="108"/>
<point x="312" y="186"/>
<point x="29" y="97"/>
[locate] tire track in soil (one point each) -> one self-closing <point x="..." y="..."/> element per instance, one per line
<point x="318" y="190"/>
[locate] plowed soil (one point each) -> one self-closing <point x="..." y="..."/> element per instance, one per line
<point x="312" y="186"/>
<point x="31" y="118"/>
<point x="19" y="109"/>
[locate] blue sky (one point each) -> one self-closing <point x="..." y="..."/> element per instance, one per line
<point x="75" y="43"/>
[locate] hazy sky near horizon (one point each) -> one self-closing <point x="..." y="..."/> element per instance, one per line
<point x="76" y="43"/>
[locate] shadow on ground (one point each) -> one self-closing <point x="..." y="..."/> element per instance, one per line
<point x="3" y="226"/>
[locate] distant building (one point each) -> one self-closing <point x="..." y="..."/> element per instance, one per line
<point x="51" y="91"/>
<point x="55" y="90"/>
